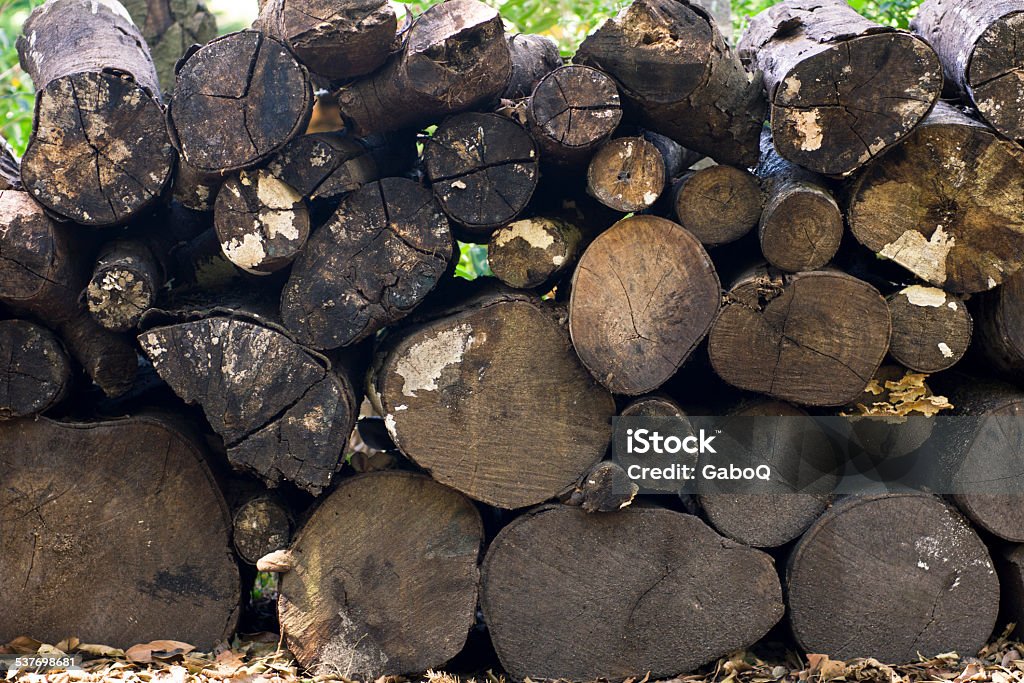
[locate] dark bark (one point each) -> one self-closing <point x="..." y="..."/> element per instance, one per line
<point x="36" y="372"/>
<point x="573" y="110"/>
<point x="533" y="58"/>
<point x="931" y="330"/>
<point x="677" y="158"/>
<point x="195" y="189"/>
<point x="718" y="204"/>
<point x="170" y="28"/>
<point x="126" y="281"/>
<point x="10" y="168"/>
<point x="626" y="174"/>
<point x="532" y="252"/>
<point x="1000" y="326"/>
<point x="605" y="488"/>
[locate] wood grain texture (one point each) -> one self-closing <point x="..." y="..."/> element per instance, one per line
<point x="36" y="372"/>
<point x="531" y="252"/>
<point x="626" y="174"/>
<point x="573" y="110"/>
<point x="718" y="204"/>
<point x="125" y="283"/>
<point x="931" y="330"/>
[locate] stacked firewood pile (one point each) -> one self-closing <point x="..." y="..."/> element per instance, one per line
<point x="235" y="329"/>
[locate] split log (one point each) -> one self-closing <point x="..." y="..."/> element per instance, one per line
<point x="386" y="578"/>
<point x="260" y="525"/>
<point x="644" y="294"/>
<point x="785" y="336"/>
<point x="931" y="330"/>
<point x="895" y="577"/>
<point x="386" y="247"/>
<point x="125" y="283"/>
<point x="455" y="57"/>
<point x="718" y="204"/>
<point x="573" y="110"/>
<point x="558" y="562"/>
<point x="36" y="371"/>
<point x="976" y="43"/>
<point x="496" y="376"/>
<point x="334" y="40"/>
<point x="842" y="88"/>
<point x="1000" y="326"/>
<point x="533" y="251"/>
<point x="533" y="58"/>
<point x="801" y="226"/>
<point x="261" y="221"/>
<point x="284" y="414"/>
<point x="99" y="153"/>
<point x="679" y="77"/>
<point x="170" y="28"/>
<point x="943" y="205"/>
<point x="482" y="168"/>
<point x="226" y="118"/>
<point x="626" y="174"/>
<point x="115" y="531"/>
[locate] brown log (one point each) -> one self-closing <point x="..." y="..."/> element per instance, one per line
<point x="657" y="406"/>
<point x="644" y="294"/>
<point x="36" y="371"/>
<point x="532" y="252"/>
<point x="626" y="174"/>
<point x="170" y="28"/>
<point x="677" y="158"/>
<point x="842" y="88"/>
<point x="386" y="578"/>
<point x="718" y="204"/>
<point x="605" y="488"/>
<point x="944" y="204"/>
<point x="931" y="330"/>
<point x="895" y="577"/>
<point x="115" y="531"/>
<point x="546" y="597"/>
<point x="260" y="525"/>
<point x="99" y="152"/>
<point x="1000" y="326"/>
<point x="573" y="110"/>
<point x="194" y="189"/>
<point x="533" y="58"/>
<point x="125" y="283"/>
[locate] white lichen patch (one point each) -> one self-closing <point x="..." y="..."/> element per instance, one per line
<point x="280" y="223"/>
<point x="926" y="258"/>
<point x="945" y="350"/>
<point x="919" y="295"/>
<point x="421" y="366"/>
<point x="276" y="194"/>
<point x="245" y="253"/>
<point x="650" y="198"/>
<point x="808" y="127"/>
<point x="790" y="87"/>
<point x="532" y="231"/>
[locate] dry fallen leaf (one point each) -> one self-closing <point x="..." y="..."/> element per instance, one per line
<point x="145" y="653"/>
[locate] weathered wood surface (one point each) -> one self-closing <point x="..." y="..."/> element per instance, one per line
<point x="573" y="110"/>
<point x="931" y="330"/>
<point x="718" y="204"/>
<point x="36" y="371"/>
<point x="259" y="526"/>
<point x="125" y="283"/>
<point x="626" y="174"/>
<point x="170" y="28"/>
<point x="532" y="252"/>
<point x="1000" y="326"/>
<point x="533" y="57"/>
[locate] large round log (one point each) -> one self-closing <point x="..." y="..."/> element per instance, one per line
<point x="893" y="577"/>
<point x="35" y="373"/>
<point x="170" y="28"/>
<point x="644" y="294"/>
<point x="114" y="531"/>
<point x="931" y="330"/>
<point x="718" y="204"/>
<point x="494" y="377"/>
<point x="572" y="110"/>
<point x="567" y="595"/>
<point x="385" y="581"/>
<point x="842" y="88"/>
<point x="626" y="174"/>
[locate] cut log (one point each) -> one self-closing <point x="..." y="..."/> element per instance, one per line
<point x="895" y="577"/>
<point x="533" y="58"/>
<point x="261" y="221"/>
<point x="801" y="226"/>
<point x="544" y="571"/>
<point x="944" y="204"/>
<point x="644" y="294"/>
<point x="573" y="110"/>
<point x="260" y="525"/>
<point x="931" y="330"/>
<point x="226" y="118"/>
<point x="842" y="88"/>
<point x="386" y="578"/>
<point x="334" y="40"/>
<point x="125" y="283"/>
<point x="495" y="376"/>
<point x="787" y="337"/>
<point x="115" y="531"/>
<point x="653" y="405"/>
<point x="483" y="170"/>
<point x="170" y="28"/>
<point x="626" y="174"/>
<point x="36" y="372"/>
<point x="1000" y="326"/>
<point x="605" y="488"/>
<point x="718" y="204"/>
<point x="194" y="189"/>
<point x="99" y="152"/>
<point x="1010" y="567"/>
<point x="976" y="43"/>
<point x="386" y="247"/>
<point x="656" y="406"/>
<point x="679" y="77"/>
<point x="284" y="414"/>
<point x="533" y="251"/>
<point x="455" y="57"/>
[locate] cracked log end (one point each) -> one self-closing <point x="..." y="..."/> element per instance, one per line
<point x="35" y="372"/>
<point x="718" y="204"/>
<point x="533" y="251"/>
<point x="124" y="285"/>
<point x="626" y="174"/>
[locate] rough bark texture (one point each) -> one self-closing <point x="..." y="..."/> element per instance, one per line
<point x="944" y="204"/>
<point x="195" y="189"/>
<point x="499" y="378"/>
<point x="718" y="204"/>
<point x="573" y="110"/>
<point x="260" y="525"/>
<point x="648" y="565"/>
<point x="125" y="283"/>
<point x="842" y="89"/>
<point x="1010" y="566"/>
<point x="533" y="251"/>
<point x="386" y="578"/>
<point x="931" y="330"/>
<point x="97" y="540"/>
<point x="224" y="117"/>
<point x="10" y="167"/>
<point x="533" y="58"/>
<point x="36" y="371"/>
<point x="170" y="28"/>
<point x="99" y="152"/>
<point x="626" y="174"/>
<point x="1000" y="328"/>
<point x="893" y="577"/>
<point x="644" y="294"/>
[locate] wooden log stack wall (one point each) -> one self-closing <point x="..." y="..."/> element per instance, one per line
<point x="204" y="304"/>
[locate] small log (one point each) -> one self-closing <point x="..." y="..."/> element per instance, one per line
<point x="626" y="174"/>
<point x="543" y="571"/>
<point x="226" y="118"/>
<point x="99" y="152"/>
<point x="385" y="581"/>
<point x="895" y="577"/>
<point x="653" y="405"/>
<point x="833" y="77"/>
<point x="573" y="110"/>
<point x="1000" y="326"/>
<point x="125" y="283"/>
<point x="115" y="531"/>
<point x="482" y="168"/>
<point x="787" y="337"/>
<point x="677" y="158"/>
<point x="801" y="225"/>
<point x="533" y="251"/>
<point x="459" y="379"/>
<point x="170" y="28"/>
<point x="533" y="58"/>
<point x="975" y="42"/>
<point x="334" y="40"/>
<point x="261" y="221"/>
<point x="944" y="206"/>
<point x="644" y="294"/>
<point x="260" y="525"/>
<point x="657" y="406"/>
<point x="36" y="371"/>
<point x="455" y="58"/>
<point x="718" y="204"/>
<point x="194" y="189"/>
<point x="605" y="488"/>
<point x="931" y="330"/>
